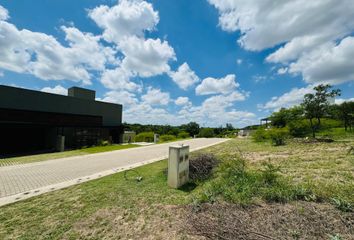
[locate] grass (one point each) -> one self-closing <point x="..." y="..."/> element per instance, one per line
<point x="113" y="207"/>
<point x="56" y="155"/>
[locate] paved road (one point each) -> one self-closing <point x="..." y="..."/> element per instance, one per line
<point x="72" y="170"/>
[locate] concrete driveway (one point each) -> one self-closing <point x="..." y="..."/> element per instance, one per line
<point x="23" y="181"/>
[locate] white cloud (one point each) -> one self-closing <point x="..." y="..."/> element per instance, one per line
<point x="184" y="77"/>
<point x="182" y="101"/>
<point x="342" y="100"/>
<point x="146" y="58"/>
<point x="212" y="85"/>
<point x="259" y="78"/>
<point x="239" y="61"/>
<point x="56" y="90"/>
<point x="156" y="97"/>
<point x="302" y="36"/>
<point x="330" y="64"/>
<point x="119" y="79"/>
<point x="294" y="97"/>
<point x="4" y="14"/>
<point x="282" y="71"/>
<point x="125" y="98"/>
<point x="24" y="51"/>
<point x="127" y="18"/>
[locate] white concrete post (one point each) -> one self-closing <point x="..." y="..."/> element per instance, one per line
<point x="178" y="166"/>
<point x="156" y="138"/>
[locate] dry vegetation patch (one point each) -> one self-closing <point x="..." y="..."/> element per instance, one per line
<point x="300" y="220"/>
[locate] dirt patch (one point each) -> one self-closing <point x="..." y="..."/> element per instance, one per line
<point x="301" y="220"/>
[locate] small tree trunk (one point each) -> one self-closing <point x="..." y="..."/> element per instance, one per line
<point x="312" y="128"/>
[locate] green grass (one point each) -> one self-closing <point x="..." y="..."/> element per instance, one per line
<point x="54" y="215"/>
<point x="56" y="155"/>
<point x="113" y="207"/>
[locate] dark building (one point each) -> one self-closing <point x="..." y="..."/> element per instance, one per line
<point x="37" y="121"/>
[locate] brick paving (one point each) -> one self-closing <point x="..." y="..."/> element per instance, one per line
<point x="26" y="177"/>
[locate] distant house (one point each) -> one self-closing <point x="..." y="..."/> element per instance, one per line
<point x="37" y="121"/>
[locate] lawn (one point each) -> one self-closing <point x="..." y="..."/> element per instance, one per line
<point x="56" y="155"/>
<point x="119" y="207"/>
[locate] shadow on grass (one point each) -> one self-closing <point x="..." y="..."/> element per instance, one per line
<point x="188" y="187"/>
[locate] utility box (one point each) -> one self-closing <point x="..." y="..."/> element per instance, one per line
<point x="178" y="166"/>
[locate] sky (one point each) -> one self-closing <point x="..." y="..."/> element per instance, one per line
<point x="176" y="61"/>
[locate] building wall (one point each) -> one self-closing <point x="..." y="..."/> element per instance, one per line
<point x="23" y="99"/>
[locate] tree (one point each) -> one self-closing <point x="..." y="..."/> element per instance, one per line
<point x="284" y="116"/>
<point x="229" y="127"/>
<point x="192" y="128"/>
<point x="207" y="132"/>
<point x="316" y="105"/>
<point x="346" y="114"/>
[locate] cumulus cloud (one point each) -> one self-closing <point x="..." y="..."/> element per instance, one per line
<point x="146" y="58"/>
<point x="213" y="85"/>
<point x="182" y="101"/>
<point x="4" y="14"/>
<point x="328" y="64"/>
<point x="155" y="96"/>
<point x="282" y="71"/>
<point x="294" y="97"/>
<point x="24" y="51"/>
<point x="127" y="18"/>
<point x="127" y="99"/>
<point x="119" y="79"/>
<point x="184" y="77"/>
<point x="56" y="90"/>
<point x="300" y="34"/>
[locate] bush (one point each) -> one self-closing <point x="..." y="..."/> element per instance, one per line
<point x="235" y="183"/>
<point x="201" y="166"/>
<point x="206" y="133"/>
<point x="167" y="137"/>
<point x="278" y="135"/>
<point x="145" y="137"/>
<point x="103" y="143"/>
<point x="183" y="135"/>
<point x="260" y="135"/>
<point x="299" y="128"/>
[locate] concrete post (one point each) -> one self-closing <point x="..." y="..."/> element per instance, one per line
<point x="60" y="146"/>
<point x="178" y="166"/>
<point x="156" y="138"/>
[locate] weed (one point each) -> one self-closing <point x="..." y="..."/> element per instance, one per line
<point x="342" y="205"/>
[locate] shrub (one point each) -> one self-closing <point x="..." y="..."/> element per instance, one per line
<point x="235" y="183"/>
<point x="103" y="143"/>
<point x="183" y="135"/>
<point x="207" y="133"/>
<point x="299" y="128"/>
<point x="278" y="135"/>
<point x="201" y="166"/>
<point x="260" y="135"/>
<point x="167" y="137"/>
<point x="145" y="137"/>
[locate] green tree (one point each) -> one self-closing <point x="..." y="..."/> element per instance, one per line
<point x="316" y="105"/>
<point x="207" y="132"/>
<point x="346" y="114"/>
<point x="229" y="127"/>
<point x="192" y="128"/>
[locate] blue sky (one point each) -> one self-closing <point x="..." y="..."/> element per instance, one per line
<point x="175" y="61"/>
